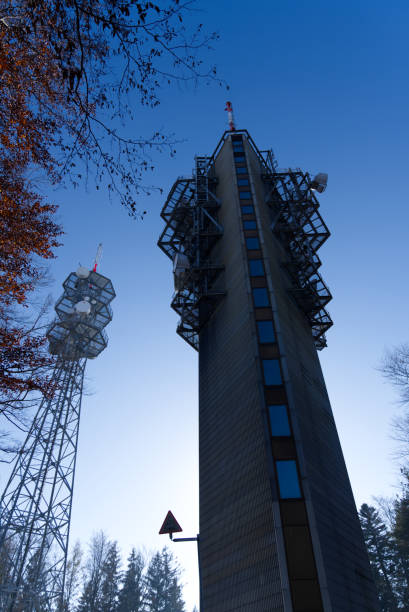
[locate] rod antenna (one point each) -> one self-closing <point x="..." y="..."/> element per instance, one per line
<point x="97" y="257"/>
<point x="229" y="109"/>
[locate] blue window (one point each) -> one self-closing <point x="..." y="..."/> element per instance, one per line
<point x="247" y="210"/>
<point x="241" y="182"/>
<point x="272" y="373"/>
<point x="265" y="332"/>
<point x="252" y="244"/>
<point x="244" y="195"/>
<point x="238" y="146"/>
<point x="239" y="158"/>
<point x="241" y="170"/>
<point x="260" y="297"/>
<point x="249" y="225"/>
<point x="279" y="425"/>
<point x="288" y="482"/>
<point x="256" y="267"/>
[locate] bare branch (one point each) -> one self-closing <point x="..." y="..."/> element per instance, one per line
<point x="395" y="368"/>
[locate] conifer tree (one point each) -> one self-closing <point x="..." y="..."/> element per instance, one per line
<point x="33" y="593"/>
<point x="91" y="593"/>
<point x="400" y="533"/>
<point x="72" y="578"/>
<point x="111" y="574"/>
<point x="381" y="556"/>
<point x="163" y="588"/>
<point x="87" y="601"/>
<point x="131" y="596"/>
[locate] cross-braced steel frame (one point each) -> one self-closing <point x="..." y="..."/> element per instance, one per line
<point x="302" y="231"/>
<point x="35" y="508"/>
<point x="36" y="505"/>
<point x="192" y="228"/>
<point x="190" y="214"/>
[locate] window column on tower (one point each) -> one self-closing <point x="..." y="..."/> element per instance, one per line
<point x="301" y="567"/>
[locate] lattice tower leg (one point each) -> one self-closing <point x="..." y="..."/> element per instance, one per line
<point x="35" y="508"/>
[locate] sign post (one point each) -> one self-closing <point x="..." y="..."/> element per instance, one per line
<point x="171" y="526"/>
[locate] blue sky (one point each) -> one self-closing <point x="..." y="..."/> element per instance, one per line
<point x="325" y="84"/>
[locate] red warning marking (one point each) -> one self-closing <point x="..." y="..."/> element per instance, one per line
<point x="170" y="525"/>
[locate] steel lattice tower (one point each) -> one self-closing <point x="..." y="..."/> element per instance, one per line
<point x="35" y="508"/>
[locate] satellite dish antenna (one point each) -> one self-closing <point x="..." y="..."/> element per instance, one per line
<point x="83" y="307"/>
<point x="82" y="272"/>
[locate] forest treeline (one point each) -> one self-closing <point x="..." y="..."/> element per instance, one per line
<point x="99" y="581"/>
<point x="385" y="526"/>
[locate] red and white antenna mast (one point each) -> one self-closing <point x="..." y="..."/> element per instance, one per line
<point x="97" y="257"/>
<point x="229" y="109"/>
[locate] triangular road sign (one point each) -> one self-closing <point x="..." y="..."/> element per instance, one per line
<point x="170" y="524"/>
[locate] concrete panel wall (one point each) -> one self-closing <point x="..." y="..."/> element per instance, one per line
<point x="240" y="569"/>
<point x="343" y="562"/>
<point x="244" y="563"/>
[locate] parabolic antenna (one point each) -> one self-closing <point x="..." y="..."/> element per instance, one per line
<point x="83" y="307"/>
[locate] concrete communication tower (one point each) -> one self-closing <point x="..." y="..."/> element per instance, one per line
<point x="279" y="529"/>
<point x="35" y="508"/>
